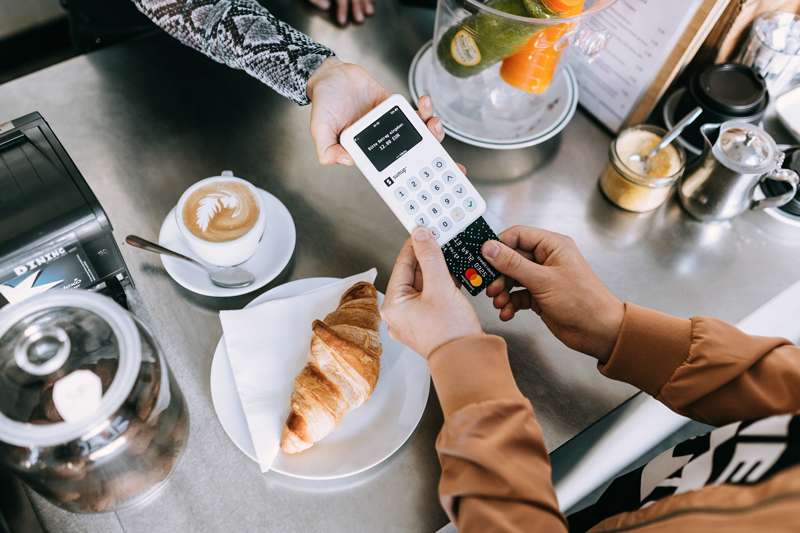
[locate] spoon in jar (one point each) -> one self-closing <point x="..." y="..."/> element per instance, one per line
<point x="669" y="137"/>
<point x="225" y="277"/>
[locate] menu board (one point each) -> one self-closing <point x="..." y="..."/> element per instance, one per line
<point x="642" y="35"/>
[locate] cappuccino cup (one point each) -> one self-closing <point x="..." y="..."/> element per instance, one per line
<point x="222" y="219"/>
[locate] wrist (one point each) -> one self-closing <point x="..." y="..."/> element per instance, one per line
<point x="445" y="343"/>
<point x="322" y="70"/>
<point x="471" y="370"/>
<point x="609" y="327"/>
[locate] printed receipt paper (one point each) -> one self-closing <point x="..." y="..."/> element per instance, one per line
<point x="268" y="346"/>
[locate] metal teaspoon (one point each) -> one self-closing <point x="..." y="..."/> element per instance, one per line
<point x="225" y="277"/>
<point x="670" y="136"/>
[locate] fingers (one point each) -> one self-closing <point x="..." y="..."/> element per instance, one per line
<point x="462" y="168"/>
<point x="496" y="287"/>
<point x="425" y="112"/>
<point x="515" y="301"/>
<point x="425" y="108"/>
<point x="540" y="243"/>
<point x="505" y="283"/>
<point x="418" y="278"/>
<point x="358" y="11"/>
<point x="501" y="299"/>
<point x="361" y="9"/>
<point x="507" y="313"/>
<point x="435" y="126"/>
<point x="337" y="154"/>
<point x="512" y="264"/>
<point x="325" y="139"/>
<point x="502" y="283"/>
<point x="341" y="11"/>
<point x="431" y="259"/>
<point x="326" y="142"/>
<point x="403" y="275"/>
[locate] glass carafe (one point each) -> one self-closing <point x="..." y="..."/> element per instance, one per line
<point x="497" y="63"/>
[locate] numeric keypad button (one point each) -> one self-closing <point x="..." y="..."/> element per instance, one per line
<point x="435" y="233"/>
<point x="422" y="220"/>
<point x="437" y="186"/>
<point x="426" y="174"/>
<point x="401" y="193"/>
<point x="447" y="201"/>
<point x="413" y="183"/>
<point x="439" y="164"/>
<point x="470" y="204"/>
<point x="445" y="224"/>
<point x="412" y="207"/>
<point x="435" y="211"/>
<point x="459" y="190"/>
<point x="449" y="177"/>
<point x="424" y="197"/>
<point x="458" y="214"/>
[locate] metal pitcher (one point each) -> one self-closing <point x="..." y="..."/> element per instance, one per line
<point x="722" y="186"/>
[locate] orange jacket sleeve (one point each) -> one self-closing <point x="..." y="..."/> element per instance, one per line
<point x="705" y="368"/>
<point x="495" y="468"/>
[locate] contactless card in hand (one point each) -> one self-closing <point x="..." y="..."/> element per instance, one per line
<point x="463" y="256"/>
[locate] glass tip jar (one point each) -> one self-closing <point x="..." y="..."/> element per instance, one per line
<point x="90" y="415"/>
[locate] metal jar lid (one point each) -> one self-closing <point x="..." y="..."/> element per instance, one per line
<point x="745" y="148"/>
<point x="51" y="349"/>
<point x="730" y="89"/>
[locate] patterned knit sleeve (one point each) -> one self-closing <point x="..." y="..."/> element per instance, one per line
<point x="244" y="35"/>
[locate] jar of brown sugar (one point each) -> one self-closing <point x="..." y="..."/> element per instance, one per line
<point x="637" y="185"/>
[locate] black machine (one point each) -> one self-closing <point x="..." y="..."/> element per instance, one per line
<point x="53" y="232"/>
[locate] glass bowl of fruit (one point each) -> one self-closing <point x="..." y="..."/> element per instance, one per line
<point x="494" y="68"/>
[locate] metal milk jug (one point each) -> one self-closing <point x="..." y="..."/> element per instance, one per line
<point x="722" y="186"/>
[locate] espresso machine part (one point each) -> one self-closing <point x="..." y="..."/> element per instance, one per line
<point x="722" y="186"/>
<point x="90" y="415"/>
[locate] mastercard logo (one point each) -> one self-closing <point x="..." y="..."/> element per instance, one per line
<point x="473" y="277"/>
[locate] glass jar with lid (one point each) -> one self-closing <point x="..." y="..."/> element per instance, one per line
<point x="90" y="415"/>
<point x="633" y="183"/>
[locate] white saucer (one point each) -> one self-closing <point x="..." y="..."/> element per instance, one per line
<point x="366" y="436"/>
<point x="558" y="107"/>
<point x="272" y="255"/>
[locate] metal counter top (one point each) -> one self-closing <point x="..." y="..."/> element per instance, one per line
<point x="145" y="119"/>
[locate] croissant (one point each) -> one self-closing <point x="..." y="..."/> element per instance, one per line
<point x="342" y="370"/>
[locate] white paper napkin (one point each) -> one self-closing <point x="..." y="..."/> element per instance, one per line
<point x="268" y="346"/>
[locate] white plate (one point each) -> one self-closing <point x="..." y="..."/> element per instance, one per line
<point x="365" y="437"/>
<point x="272" y="254"/>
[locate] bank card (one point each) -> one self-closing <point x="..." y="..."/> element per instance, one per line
<point x="463" y="256"/>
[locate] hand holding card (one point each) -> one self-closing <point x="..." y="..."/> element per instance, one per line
<point x="463" y="256"/>
<point x="423" y="186"/>
<point x="426" y="313"/>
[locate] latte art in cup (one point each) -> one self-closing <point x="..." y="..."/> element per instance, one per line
<point x="222" y="219"/>
<point x="220" y="211"/>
